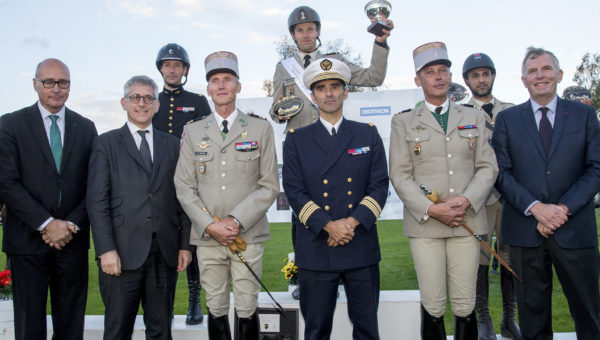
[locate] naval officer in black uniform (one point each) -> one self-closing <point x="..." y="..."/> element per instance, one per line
<point x="177" y="108"/>
<point x="335" y="177"/>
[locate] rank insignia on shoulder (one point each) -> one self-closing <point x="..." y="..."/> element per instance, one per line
<point x="246" y="146"/>
<point x="291" y="130"/>
<point x="195" y="120"/>
<point x="466" y="127"/>
<point x="404" y="111"/>
<point x="468" y="105"/>
<point x="186" y="109"/>
<point x="252" y="114"/>
<point x="359" y="151"/>
<point x="371" y="124"/>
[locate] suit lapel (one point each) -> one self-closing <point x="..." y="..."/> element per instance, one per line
<point x="321" y="137"/>
<point x="212" y="130"/>
<point x="426" y="117"/>
<point x="241" y="120"/>
<point x="158" y="145"/>
<point x="70" y="137"/>
<point x="529" y="123"/>
<point x="454" y="117"/>
<point x="338" y="147"/>
<point x="129" y="145"/>
<point x="39" y="134"/>
<point x="560" y="121"/>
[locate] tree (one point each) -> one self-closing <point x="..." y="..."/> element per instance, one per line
<point x="286" y="47"/>
<point x="588" y="77"/>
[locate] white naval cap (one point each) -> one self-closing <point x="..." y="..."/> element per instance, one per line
<point x="326" y="68"/>
<point x="221" y="61"/>
<point x="430" y="54"/>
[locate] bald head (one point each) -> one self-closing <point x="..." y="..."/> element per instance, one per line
<point x="52" y="84"/>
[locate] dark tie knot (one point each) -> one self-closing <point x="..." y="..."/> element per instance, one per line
<point x="544" y="110"/>
<point x="225" y="129"/>
<point x="333" y="132"/>
<point x="488" y="108"/>
<point x="306" y="60"/>
<point x="438" y="110"/>
<point x="142" y="133"/>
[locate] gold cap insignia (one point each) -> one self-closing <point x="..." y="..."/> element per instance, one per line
<point x="326" y="65"/>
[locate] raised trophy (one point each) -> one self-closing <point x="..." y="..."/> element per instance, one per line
<point x="577" y="93"/>
<point x="457" y="93"/>
<point x="375" y="9"/>
<point x="290" y="104"/>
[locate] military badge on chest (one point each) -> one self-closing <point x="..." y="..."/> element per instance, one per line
<point x="246" y="146"/>
<point x="471" y="142"/>
<point x="417" y="148"/>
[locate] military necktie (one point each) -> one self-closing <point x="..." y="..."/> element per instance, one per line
<point x="306" y="60"/>
<point x="545" y="129"/>
<point x="55" y="142"/>
<point x="333" y="133"/>
<point x="145" y="151"/>
<point x="488" y="109"/>
<point x="225" y="130"/>
<point x="438" y="110"/>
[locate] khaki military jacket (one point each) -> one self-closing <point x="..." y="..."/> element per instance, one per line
<point x="491" y="121"/>
<point x="235" y="177"/>
<point x="460" y="162"/>
<point x="371" y="76"/>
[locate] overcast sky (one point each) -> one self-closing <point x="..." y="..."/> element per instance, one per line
<point x="105" y="42"/>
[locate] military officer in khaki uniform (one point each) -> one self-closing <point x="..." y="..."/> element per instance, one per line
<point x="304" y="25"/>
<point x="479" y="74"/>
<point x="228" y="165"/>
<point x="445" y="147"/>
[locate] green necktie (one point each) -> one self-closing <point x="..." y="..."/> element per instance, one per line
<point x="55" y="143"/>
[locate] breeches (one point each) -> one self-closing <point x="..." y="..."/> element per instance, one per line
<point x="494" y="214"/>
<point x="446" y="261"/>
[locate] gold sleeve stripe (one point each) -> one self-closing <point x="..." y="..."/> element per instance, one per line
<point x="309" y="208"/>
<point x="372" y="205"/>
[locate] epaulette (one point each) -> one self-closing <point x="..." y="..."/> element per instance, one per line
<point x="469" y="105"/>
<point x="401" y="112"/>
<point x="332" y="53"/>
<point x="291" y="130"/>
<point x="196" y="120"/>
<point x="252" y="114"/>
<point x="200" y="94"/>
<point x="371" y="124"/>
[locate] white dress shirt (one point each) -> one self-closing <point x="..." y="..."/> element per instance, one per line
<point x="137" y="138"/>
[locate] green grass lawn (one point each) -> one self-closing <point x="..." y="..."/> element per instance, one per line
<point x="397" y="273"/>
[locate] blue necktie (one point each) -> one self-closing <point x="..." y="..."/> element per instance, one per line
<point x="545" y="129"/>
<point x="55" y="142"/>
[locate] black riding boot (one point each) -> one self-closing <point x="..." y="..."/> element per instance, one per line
<point x="485" y="326"/>
<point x="248" y="328"/>
<point x="465" y="328"/>
<point x="508" y="327"/>
<point x="218" y="327"/>
<point x="432" y="328"/>
<point x="194" y="314"/>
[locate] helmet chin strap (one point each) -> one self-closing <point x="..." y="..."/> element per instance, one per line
<point x="177" y="85"/>
<point x="316" y="48"/>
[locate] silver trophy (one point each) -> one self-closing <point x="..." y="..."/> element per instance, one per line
<point x="290" y="104"/>
<point x="457" y="93"/>
<point x="375" y="9"/>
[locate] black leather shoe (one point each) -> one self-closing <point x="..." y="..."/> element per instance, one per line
<point x="248" y="328"/>
<point x="218" y="327"/>
<point x="432" y="328"/>
<point x="194" y="315"/>
<point x="465" y="328"/>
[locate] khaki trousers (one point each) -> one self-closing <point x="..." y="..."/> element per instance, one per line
<point x="220" y="270"/>
<point x="453" y="261"/>
<point x="494" y="216"/>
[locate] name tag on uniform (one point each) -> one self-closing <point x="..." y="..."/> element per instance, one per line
<point x="186" y="109"/>
<point x="201" y="153"/>
<point x="246" y="146"/>
<point x="359" y="151"/>
<point x="466" y="127"/>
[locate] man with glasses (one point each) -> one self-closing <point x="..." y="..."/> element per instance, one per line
<point x="44" y="153"/>
<point x="141" y="235"/>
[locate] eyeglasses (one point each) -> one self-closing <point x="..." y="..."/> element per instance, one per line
<point x="49" y="84"/>
<point x="148" y="99"/>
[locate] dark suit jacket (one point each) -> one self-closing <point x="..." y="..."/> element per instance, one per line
<point x="569" y="175"/>
<point x="126" y="205"/>
<point x="30" y="184"/>
<point x="329" y="172"/>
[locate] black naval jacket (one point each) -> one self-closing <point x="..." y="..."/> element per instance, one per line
<point x="177" y="108"/>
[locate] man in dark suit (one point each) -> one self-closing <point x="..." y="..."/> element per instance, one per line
<point x="548" y="152"/>
<point x="44" y="152"/>
<point x="335" y="177"/>
<point x="141" y="235"/>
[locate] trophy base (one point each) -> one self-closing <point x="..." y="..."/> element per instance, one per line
<point x="377" y="27"/>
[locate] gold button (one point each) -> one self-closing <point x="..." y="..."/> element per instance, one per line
<point x="350" y="206"/>
<point x="172" y="99"/>
<point x="349" y="179"/>
<point x="325" y="194"/>
<point x="170" y="117"/>
<point x="325" y="181"/>
<point x="171" y="105"/>
<point x="170" y="124"/>
<point x="349" y="193"/>
<point x="170" y="131"/>
<point x="306" y="227"/>
<point x="327" y="208"/>
<point x="171" y="112"/>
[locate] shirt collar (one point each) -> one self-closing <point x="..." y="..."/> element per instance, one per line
<point x="313" y="55"/>
<point x="45" y="113"/>
<point x="230" y="119"/>
<point x="328" y="125"/>
<point x="432" y="107"/>
<point x="479" y="103"/>
<point x="551" y="105"/>
<point x="134" y="129"/>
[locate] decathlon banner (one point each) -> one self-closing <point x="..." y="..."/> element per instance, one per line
<point x="377" y="107"/>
